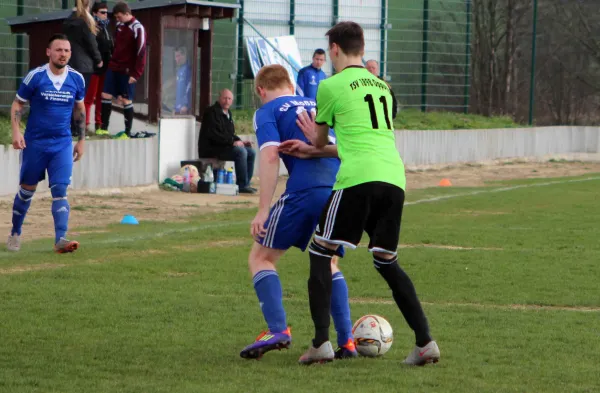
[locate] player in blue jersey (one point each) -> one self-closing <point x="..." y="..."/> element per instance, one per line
<point x="55" y="92"/>
<point x="293" y="218"/>
<point x="310" y="76"/>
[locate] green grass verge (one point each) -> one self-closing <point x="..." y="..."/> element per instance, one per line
<point x="5" y="131"/>
<point x="410" y="119"/>
<point x="167" y="307"/>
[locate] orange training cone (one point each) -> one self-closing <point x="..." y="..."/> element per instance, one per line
<point x="445" y="183"/>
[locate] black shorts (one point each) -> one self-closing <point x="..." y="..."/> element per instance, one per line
<point x="374" y="207"/>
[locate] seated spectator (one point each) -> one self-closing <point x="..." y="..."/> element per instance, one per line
<point x="218" y="140"/>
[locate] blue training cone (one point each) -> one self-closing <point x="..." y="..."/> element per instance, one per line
<point x="129" y="220"/>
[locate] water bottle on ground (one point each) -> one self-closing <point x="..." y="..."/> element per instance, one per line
<point x="233" y="175"/>
<point x="186" y="179"/>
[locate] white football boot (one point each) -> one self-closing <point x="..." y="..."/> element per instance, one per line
<point x="421" y="356"/>
<point x="323" y="354"/>
<point x="13" y="243"/>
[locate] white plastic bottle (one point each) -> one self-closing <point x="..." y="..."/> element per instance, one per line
<point x="186" y="179"/>
<point x="234" y="177"/>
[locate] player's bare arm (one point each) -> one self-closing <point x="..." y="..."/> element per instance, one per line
<point x="301" y="149"/>
<point x="79" y="114"/>
<point x="269" y="172"/>
<point x="16" y="115"/>
<point x="317" y="134"/>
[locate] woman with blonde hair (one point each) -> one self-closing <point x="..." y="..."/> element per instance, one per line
<point x="81" y="30"/>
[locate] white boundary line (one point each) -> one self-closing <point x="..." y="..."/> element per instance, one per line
<point x="128" y="239"/>
<point x="441" y="198"/>
<point x="503" y="307"/>
<point x="123" y="238"/>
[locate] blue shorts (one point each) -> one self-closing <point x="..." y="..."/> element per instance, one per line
<point x="293" y="219"/>
<point x="117" y="85"/>
<point x="52" y="155"/>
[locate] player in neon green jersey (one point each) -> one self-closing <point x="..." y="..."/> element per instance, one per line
<point x="368" y="194"/>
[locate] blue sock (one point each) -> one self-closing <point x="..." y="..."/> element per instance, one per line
<point x="60" y="212"/>
<point x="270" y="295"/>
<point x="340" y="309"/>
<point x="20" y="207"/>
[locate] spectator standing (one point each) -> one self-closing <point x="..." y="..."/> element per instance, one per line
<point x="81" y="31"/>
<point x="218" y="140"/>
<point x="310" y="76"/>
<point x="126" y="66"/>
<point x="373" y="67"/>
<point x="105" y="46"/>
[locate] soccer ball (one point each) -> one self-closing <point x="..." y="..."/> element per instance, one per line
<point x="373" y="335"/>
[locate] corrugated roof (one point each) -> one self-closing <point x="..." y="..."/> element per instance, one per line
<point x="140" y="5"/>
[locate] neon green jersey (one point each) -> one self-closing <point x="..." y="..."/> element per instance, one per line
<point x="358" y="106"/>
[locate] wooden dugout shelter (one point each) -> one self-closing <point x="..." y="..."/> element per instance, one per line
<point x="195" y="16"/>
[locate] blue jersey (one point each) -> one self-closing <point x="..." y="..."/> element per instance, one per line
<point x="51" y="100"/>
<point x="308" y="80"/>
<point x="183" y="94"/>
<point x="274" y="123"/>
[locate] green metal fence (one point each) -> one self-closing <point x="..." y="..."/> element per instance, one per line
<point x="13" y="47"/>
<point x="422" y="45"/>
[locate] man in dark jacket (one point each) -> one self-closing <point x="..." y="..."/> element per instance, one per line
<point x="96" y="85"/>
<point x="218" y="140"/>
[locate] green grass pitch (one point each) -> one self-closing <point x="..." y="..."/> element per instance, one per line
<point x="509" y="281"/>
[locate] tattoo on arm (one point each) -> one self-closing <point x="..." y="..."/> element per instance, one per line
<point x="80" y="123"/>
<point x="17" y="113"/>
<point x="18" y="116"/>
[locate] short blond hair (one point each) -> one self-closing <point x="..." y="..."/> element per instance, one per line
<point x="272" y="77"/>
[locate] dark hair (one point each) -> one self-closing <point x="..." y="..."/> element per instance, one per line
<point x="121" y="8"/>
<point x="57" y="37"/>
<point x="182" y="50"/>
<point x="99" y="5"/>
<point x="318" y="52"/>
<point x="349" y="37"/>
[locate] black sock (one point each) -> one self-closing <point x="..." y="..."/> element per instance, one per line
<point x="106" y="110"/>
<point x="405" y="296"/>
<point x="128" y="114"/>
<point x="319" y="291"/>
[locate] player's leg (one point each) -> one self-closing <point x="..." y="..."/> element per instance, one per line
<point x="340" y="313"/>
<point x="262" y="260"/>
<point x="98" y="104"/>
<point x="340" y="308"/>
<point x="108" y="92"/>
<point x="33" y="167"/>
<point x="341" y="223"/>
<point x="128" y="93"/>
<point x="60" y="169"/>
<point x="383" y="227"/>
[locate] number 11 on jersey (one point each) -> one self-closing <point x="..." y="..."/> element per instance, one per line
<point x="374" y="121"/>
